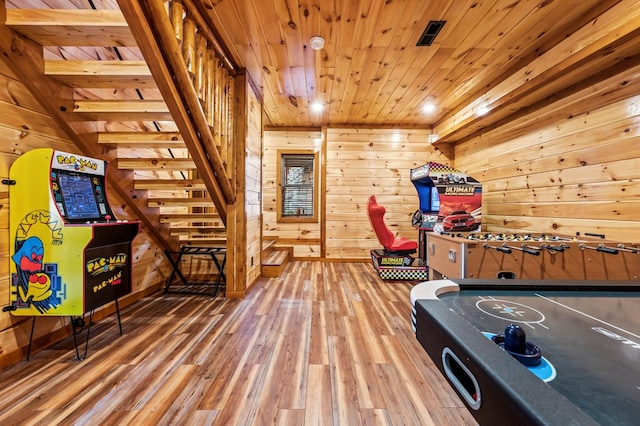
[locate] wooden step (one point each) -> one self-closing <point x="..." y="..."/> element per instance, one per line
<point x="274" y="263"/>
<point x="170" y="184"/>
<point x="142" y="139"/>
<point x="180" y="202"/>
<point x="175" y="164"/>
<point x="204" y="241"/>
<point x="189" y="217"/>
<point x="198" y="233"/>
<point x="268" y="246"/>
<point x="101" y="74"/>
<point x="198" y="229"/>
<point x="124" y="110"/>
<point x="69" y="27"/>
<point x="277" y="257"/>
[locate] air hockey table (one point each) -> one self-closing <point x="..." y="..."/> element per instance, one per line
<point x="588" y="333"/>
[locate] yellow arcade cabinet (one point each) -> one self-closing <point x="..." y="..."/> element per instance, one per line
<point x="68" y="253"/>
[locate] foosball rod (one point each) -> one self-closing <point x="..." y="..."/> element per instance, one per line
<point x="600" y="247"/>
<point x="560" y="248"/>
<point x="622" y="247"/>
<point x="501" y="249"/>
<point x="526" y="249"/>
<point x="556" y="238"/>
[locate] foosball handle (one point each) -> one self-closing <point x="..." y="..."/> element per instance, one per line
<point x="609" y="250"/>
<point x="590" y="234"/>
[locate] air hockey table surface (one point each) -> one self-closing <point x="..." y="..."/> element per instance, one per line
<point x="588" y="332"/>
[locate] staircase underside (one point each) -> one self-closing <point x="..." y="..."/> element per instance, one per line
<point x="87" y="69"/>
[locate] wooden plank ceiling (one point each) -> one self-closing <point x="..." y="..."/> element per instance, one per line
<point x="498" y="55"/>
<point x="493" y="55"/>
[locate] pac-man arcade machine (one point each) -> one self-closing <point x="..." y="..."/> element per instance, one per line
<point x="69" y="254"/>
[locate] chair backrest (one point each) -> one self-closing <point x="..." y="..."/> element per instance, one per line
<point x="376" y="217"/>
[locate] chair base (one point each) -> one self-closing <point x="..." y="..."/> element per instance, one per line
<point x="398" y="252"/>
<point x="399" y="267"/>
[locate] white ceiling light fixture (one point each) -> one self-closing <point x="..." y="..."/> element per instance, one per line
<point x="483" y="110"/>
<point x="317" y="106"/>
<point x="429" y="108"/>
<point x="317" y="43"/>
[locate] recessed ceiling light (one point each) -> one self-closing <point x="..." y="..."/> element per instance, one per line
<point x="429" y="108"/>
<point x="482" y="110"/>
<point x="317" y="106"/>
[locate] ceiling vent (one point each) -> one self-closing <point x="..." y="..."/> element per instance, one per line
<point x="430" y="33"/>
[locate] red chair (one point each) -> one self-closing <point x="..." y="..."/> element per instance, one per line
<point x="390" y="243"/>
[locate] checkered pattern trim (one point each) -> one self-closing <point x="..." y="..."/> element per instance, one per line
<point x="419" y="270"/>
<point x="407" y="275"/>
<point x="436" y="168"/>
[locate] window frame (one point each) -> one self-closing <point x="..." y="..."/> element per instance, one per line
<point x="297" y="219"/>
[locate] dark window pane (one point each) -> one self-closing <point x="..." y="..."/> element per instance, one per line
<point x="297" y="185"/>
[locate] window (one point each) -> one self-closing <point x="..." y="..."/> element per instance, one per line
<point x="297" y="177"/>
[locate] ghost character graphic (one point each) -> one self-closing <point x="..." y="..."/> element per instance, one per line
<point x="33" y="285"/>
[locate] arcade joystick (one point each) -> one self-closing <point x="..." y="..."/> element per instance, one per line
<point x="514" y="342"/>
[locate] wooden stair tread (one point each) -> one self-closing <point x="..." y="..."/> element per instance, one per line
<point x="277" y="257"/>
<point x="101" y="74"/>
<point x="192" y="217"/>
<point x="199" y="232"/>
<point x="177" y="202"/>
<point x="203" y="229"/>
<point x="72" y="27"/>
<point x="274" y="261"/>
<point x="156" y="163"/>
<point x="123" y="110"/>
<point x="194" y="241"/>
<point x="267" y="245"/>
<point x="142" y="139"/>
<point x="182" y="184"/>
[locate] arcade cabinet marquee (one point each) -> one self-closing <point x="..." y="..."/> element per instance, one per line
<point x="68" y="254"/>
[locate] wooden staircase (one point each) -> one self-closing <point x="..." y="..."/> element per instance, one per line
<point x="274" y="259"/>
<point x="112" y="106"/>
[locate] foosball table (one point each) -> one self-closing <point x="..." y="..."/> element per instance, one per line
<point x="531" y="256"/>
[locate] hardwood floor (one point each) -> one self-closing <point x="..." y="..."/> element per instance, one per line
<point x="324" y="344"/>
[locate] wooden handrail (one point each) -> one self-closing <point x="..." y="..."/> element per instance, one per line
<point x="213" y="89"/>
<point x="152" y="17"/>
<point x="207" y="32"/>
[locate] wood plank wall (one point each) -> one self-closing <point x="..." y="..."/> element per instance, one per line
<point x="570" y="166"/>
<point x="253" y="186"/>
<point x="364" y="162"/>
<point x="357" y="163"/>
<point x="303" y="237"/>
<point x="25" y="126"/>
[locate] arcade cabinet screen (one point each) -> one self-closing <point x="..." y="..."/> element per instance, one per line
<point x="78" y="196"/>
